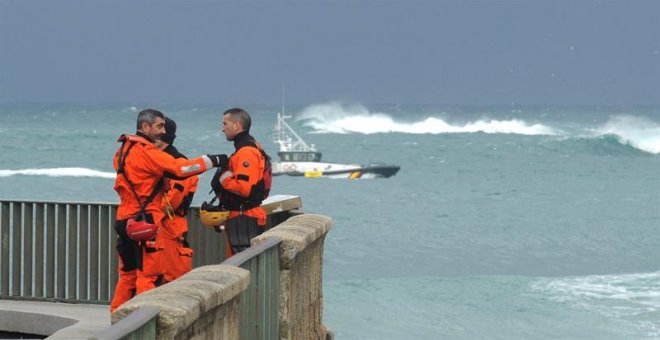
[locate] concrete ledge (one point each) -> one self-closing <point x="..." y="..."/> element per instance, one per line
<point x="188" y="299"/>
<point x="297" y="233"/>
<point x="280" y="203"/>
<point x="33" y="323"/>
<point x="301" y="271"/>
<point x="56" y="320"/>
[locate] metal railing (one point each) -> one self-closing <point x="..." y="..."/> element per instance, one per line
<point x="65" y="251"/>
<point x="259" y="305"/>
<point x="57" y="251"/>
<point x="140" y="325"/>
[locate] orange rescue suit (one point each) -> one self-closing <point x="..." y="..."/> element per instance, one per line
<point x="177" y="254"/>
<point x="145" y="165"/>
<point x="245" y="170"/>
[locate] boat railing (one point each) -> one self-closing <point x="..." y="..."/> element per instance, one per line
<point x="287" y="138"/>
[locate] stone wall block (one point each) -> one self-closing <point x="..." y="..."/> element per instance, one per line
<point x="297" y="233"/>
<point x="192" y="300"/>
<point x="203" y="304"/>
<point x="301" y="269"/>
<point x="231" y="280"/>
<point x="285" y="297"/>
<point x="220" y="323"/>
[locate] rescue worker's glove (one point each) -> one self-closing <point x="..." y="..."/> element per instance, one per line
<point x="219" y="161"/>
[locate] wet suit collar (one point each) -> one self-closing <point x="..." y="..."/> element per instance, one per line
<point x="243" y="139"/>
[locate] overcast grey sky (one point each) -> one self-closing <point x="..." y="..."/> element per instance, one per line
<point x="426" y="52"/>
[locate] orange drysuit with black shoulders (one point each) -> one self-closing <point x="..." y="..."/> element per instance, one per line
<point x="144" y="165"/>
<point x="241" y="180"/>
<point x="176" y="254"/>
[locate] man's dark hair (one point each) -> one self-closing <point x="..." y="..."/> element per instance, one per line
<point x="241" y="116"/>
<point x="148" y="116"/>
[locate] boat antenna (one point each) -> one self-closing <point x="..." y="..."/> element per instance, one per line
<point x="283" y="97"/>
<point x="285" y="136"/>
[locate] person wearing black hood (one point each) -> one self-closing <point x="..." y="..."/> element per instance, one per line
<point x="176" y="254"/>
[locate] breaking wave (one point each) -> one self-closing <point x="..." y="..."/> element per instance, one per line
<point x="344" y="119"/>
<point x="59" y="172"/>
<point x="639" y="132"/>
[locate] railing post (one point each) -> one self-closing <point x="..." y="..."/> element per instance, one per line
<point x="4" y="248"/>
<point x="27" y="258"/>
<point x="60" y="252"/>
<point x="83" y="252"/>
<point x="71" y="252"/>
<point x="51" y="227"/>
<point x="39" y="245"/>
<point x="106" y="233"/>
<point x="114" y="259"/>
<point x="16" y="234"/>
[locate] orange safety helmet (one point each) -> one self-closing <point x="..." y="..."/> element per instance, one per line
<point x="141" y="230"/>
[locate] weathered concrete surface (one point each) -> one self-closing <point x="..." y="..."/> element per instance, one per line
<point x="59" y="320"/>
<point x="301" y="275"/>
<point x="203" y="304"/>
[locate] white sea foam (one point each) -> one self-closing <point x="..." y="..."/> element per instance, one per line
<point x="638" y="132"/>
<point x="343" y="119"/>
<point x="632" y="297"/>
<point x="58" y="172"/>
<point x="640" y="287"/>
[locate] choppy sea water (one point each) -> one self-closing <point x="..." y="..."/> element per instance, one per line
<point x="511" y="223"/>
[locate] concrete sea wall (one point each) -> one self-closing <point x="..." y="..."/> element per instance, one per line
<point x="204" y="304"/>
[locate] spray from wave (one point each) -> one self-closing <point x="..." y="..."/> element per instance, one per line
<point x="59" y="172"/>
<point x="344" y="119"/>
<point x="638" y="132"/>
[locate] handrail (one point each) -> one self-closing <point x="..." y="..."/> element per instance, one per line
<point x="8" y="200"/>
<point x="141" y="324"/>
<point x="241" y="258"/>
<point x="53" y="251"/>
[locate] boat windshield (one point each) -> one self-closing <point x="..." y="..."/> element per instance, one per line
<point x="300" y="156"/>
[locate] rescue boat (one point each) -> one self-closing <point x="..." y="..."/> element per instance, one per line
<point x="297" y="158"/>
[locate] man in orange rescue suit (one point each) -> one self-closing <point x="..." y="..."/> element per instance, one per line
<point x="241" y="184"/>
<point x="176" y="253"/>
<point x="140" y="170"/>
